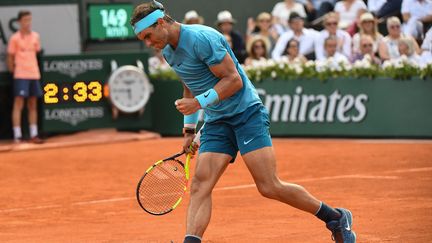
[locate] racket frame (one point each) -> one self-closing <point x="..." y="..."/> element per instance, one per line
<point x="186" y="168"/>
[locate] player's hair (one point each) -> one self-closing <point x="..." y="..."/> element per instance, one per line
<point x="145" y="9"/>
<point x="23" y="13"/>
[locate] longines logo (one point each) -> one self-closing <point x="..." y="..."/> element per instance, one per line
<point x="73" y="67"/>
<point x="74" y="116"/>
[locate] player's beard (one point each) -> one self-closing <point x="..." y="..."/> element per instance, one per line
<point x="159" y="45"/>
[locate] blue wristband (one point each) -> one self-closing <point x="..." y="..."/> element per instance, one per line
<point x="190" y="121"/>
<point x="208" y="98"/>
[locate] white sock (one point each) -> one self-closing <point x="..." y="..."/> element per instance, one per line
<point x="193" y="236"/>
<point x="17" y="132"/>
<point x="33" y="130"/>
<point x="319" y="208"/>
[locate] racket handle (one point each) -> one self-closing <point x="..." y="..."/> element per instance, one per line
<point x="198" y="136"/>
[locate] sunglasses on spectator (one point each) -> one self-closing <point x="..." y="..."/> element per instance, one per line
<point x="258" y="46"/>
<point x="367" y="45"/>
<point x="264" y="20"/>
<point x="293" y="46"/>
<point x="395" y="27"/>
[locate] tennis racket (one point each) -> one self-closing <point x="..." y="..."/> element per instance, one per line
<point x="162" y="187"/>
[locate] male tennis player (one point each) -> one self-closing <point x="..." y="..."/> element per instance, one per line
<point x="235" y="120"/>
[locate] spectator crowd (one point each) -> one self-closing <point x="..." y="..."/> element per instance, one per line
<point x="344" y="31"/>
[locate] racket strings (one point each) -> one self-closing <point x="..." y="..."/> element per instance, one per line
<point x="161" y="188"/>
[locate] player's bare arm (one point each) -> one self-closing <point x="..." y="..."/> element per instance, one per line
<point x="186" y="105"/>
<point x="230" y="80"/>
<point x="188" y="137"/>
<point x="186" y="91"/>
<point x="229" y="83"/>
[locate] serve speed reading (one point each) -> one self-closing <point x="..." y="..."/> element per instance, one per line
<point x="76" y="92"/>
<point x="110" y="21"/>
<point x="113" y="17"/>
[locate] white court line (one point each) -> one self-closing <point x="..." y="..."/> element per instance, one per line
<point x="28" y="208"/>
<point x="394" y="141"/>
<point x="360" y="140"/>
<point x="355" y="176"/>
<point x="409" y="170"/>
<point x="120" y="199"/>
<point x="316" y="179"/>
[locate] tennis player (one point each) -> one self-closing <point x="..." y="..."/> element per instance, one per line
<point x="235" y="120"/>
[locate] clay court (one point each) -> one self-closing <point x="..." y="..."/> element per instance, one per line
<point x="87" y="193"/>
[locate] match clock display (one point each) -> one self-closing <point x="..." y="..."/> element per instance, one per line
<point x="79" y="92"/>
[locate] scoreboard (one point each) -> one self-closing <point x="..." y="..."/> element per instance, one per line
<point x="76" y="93"/>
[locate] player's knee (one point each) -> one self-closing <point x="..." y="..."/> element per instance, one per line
<point x="194" y="186"/>
<point x="199" y="186"/>
<point x="268" y="190"/>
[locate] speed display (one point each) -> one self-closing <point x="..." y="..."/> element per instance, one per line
<point x="110" y="21"/>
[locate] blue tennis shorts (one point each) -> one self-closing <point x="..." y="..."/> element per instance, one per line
<point x="27" y="87"/>
<point x="244" y="132"/>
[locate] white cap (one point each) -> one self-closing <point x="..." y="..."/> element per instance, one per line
<point x="225" y="16"/>
<point x="191" y="15"/>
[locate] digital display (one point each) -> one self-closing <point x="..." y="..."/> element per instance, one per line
<point x="77" y="92"/>
<point x="110" y="21"/>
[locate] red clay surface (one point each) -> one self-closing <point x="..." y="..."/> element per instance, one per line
<point x="87" y="193"/>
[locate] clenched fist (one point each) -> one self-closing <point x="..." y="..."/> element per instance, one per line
<point x="187" y="106"/>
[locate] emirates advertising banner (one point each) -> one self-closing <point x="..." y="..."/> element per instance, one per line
<point x="349" y="107"/>
<point x="342" y="107"/>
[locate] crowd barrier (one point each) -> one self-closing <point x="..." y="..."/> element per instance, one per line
<point x="340" y="107"/>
